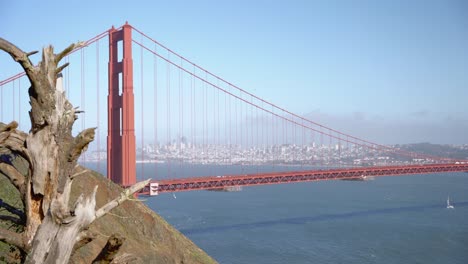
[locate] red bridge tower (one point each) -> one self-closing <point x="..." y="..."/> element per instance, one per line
<point x="121" y="148"/>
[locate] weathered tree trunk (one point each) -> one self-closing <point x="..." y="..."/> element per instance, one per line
<point x="52" y="228"/>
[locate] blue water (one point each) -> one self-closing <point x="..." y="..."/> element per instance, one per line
<point x="389" y="220"/>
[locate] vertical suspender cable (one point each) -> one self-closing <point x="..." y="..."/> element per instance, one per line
<point x="347" y="147"/>
<point x="330" y="148"/>
<point x="181" y="116"/>
<point x="98" y="130"/>
<point x="246" y="130"/>
<point x="322" y="147"/>
<point x="294" y="133"/>
<point x="241" y="134"/>
<point x="155" y="106"/>
<point x="142" y="114"/>
<point x="179" y="111"/>
<point x="214" y="124"/>
<point x="252" y="153"/>
<point x="168" y="127"/>
<point x="294" y="139"/>
<point x="192" y="116"/>
<point x="205" y="118"/>
<point x="284" y="132"/>
<point x="257" y="139"/>
<point x="311" y="158"/>
<point x="225" y="123"/>
<point x="19" y="102"/>
<point x="219" y="122"/>
<point x="314" y="146"/>
<point x="230" y="129"/>
<point x="218" y="114"/>
<point x="274" y="128"/>
<point x="82" y="95"/>
<point x="213" y="105"/>
<point x="339" y="150"/>
<point x="236" y="123"/>
<point x="301" y="153"/>
<point x="214" y="127"/>
<point x="207" y="121"/>
<point x="264" y="137"/>
<point x="14" y="107"/>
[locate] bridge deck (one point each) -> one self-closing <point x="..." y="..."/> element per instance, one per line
<point x="217" y="182"/>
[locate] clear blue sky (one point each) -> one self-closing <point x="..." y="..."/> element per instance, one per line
<point x="375" y="64"/>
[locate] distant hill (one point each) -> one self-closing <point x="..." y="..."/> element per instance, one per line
<point x="447" y="151"/>
<point x="149" y="238"/>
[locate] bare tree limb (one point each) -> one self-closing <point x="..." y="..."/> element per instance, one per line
<point x="126" y="258"/>
<point x="8" y="127"/>
<point x="13" y="238"/>
<point x="67" y="50"/>
<point x="15" y="177"/>
<point x="84" y="238"/>
<point x="110" y="249"/>
<point x="60" y="69"/>
<point x="80" y="143"/>
<point x="123" y="197"/>
<point x="14" y="140"/>
<point x="19" y="56"/>
<point x="78" y="174"/>
<point x="31" y="53"/>
<point x="59" y="209"/>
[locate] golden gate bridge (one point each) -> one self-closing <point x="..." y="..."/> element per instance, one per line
<point x="180" y="97"/>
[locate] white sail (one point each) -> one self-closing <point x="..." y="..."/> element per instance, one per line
<point x="449" y="206"/>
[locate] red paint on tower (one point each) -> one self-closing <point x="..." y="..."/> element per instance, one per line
<point x="121" y="148"/>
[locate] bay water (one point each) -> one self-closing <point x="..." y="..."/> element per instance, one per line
<point x="394" y="219"/>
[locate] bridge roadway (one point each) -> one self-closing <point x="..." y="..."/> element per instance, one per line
<point x="219" y="182"/>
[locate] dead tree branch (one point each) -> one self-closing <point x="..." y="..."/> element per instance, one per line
<point x="13" y="238"/>
<point x="80" y="143"/>
<point x="67" y="50"/>
<point x="110" y="250"/>
<point x="15" y="177"/>
<point x="123" y="197"/>
<point x="19" y="56"/>
<point x="84" y="238"/>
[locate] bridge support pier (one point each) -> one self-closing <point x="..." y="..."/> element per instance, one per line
<point x="121" y="147"/>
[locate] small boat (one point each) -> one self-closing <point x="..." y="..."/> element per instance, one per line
<point x="449" y="206"/>
<point x="361" y="178"/>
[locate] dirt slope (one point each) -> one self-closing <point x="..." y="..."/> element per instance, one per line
<point x="149" y="238"/>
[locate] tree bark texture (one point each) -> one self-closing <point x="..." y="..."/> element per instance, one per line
<point x="52" y="227"/>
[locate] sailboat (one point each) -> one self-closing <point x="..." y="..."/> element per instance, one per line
<point x="449" y="206"/>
